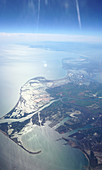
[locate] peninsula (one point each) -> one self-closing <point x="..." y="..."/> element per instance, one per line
<point x="72" y="105"/>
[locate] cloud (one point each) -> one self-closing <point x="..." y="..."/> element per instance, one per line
<point x="30" y="37"/>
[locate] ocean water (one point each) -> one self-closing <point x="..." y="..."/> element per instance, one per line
<point x="54" y="156"/>
<point x="18" y="64"/>
<point x="21" y="63"/>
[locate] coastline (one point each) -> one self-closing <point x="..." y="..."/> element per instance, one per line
<point x="30" y="152"/>
<point x="41" y="100"/>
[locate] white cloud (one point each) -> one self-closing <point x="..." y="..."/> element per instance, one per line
<point x="30" y="37"/>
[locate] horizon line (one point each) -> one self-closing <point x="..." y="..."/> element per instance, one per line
<point x="50" y="37"/>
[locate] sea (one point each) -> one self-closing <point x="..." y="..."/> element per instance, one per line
<point x="18" y="64"/>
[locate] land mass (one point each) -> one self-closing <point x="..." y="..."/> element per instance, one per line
<point x="73" y="105"/>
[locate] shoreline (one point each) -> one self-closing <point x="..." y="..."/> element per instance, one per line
<point x="38" y="77"/>
<point x="30" y="152"/>
<point x="82" y="151"/>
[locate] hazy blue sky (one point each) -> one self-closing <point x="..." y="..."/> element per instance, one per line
<point x="51" y="16"/>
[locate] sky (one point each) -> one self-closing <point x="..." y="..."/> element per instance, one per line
<point x="51" y="16"/>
